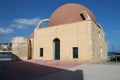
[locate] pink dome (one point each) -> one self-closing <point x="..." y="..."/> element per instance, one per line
<point x="69" y="13"/>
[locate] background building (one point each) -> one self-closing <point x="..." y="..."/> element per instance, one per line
<point x="5" y="50"/>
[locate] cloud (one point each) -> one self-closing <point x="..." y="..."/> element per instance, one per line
<point x="24" y="23"/>
<point x="30" y="22"/>
<point x="6" y="31"/>
<point x="19" y="26"/>
<point x="116" y="32"/>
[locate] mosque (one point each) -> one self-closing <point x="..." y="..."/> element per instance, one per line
<point x="73" y="34"/>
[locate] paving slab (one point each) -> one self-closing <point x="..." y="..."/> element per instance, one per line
<point x="32" y="69"/>
<point x="58" y="70"/>
<point x="88" y="72"/>
<point x="1" y="70"/>
<point x="100" y="71"/>
<point x="55" y="63"/>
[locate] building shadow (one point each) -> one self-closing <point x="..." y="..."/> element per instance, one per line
<point x="22" y="70"/>
<point x="66" y="75"/>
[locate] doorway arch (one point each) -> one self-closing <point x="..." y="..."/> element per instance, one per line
<point x="56" y="49"/>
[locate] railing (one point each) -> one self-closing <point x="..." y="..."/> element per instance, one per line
<point x="115" y="58"/>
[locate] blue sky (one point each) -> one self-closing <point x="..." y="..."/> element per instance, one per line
<point x="19" y="17"/>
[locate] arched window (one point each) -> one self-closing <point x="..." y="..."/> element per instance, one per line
<point x="99" y="34"/>
<point x="101" y="52"/>
<point x="84" y="15"/>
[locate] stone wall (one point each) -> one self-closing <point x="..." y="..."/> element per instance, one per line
<point x="20" y="48"/>
<point x="99" y="45"/>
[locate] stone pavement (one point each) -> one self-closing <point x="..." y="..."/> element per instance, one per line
<point x="58" y="70"/>
<point x="1" y="70"/>
<point x="55" y="63"/>
<point x="99" y="71"/>
<point x="66" y="75"/>
<point x="32" y="70"/>
<point x="88" y="72"/>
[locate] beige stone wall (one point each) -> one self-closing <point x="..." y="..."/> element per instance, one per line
<point x="20" y="48"/>
<point x="84" y="35"/>
<point x="76" y="34"/>
<point x="85" y="41"/>
<point x="98" y="42"/>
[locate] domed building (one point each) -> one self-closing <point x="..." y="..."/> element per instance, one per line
<point x="73" y="34"/>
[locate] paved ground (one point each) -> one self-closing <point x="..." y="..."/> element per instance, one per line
<point x="100" y="71"/>
<point x="32" y="70"/>
<point x="57" y="70"/>
<point x="1" y="70"/>
<point x="91" y="71"/>
<point x="55" y="63"/>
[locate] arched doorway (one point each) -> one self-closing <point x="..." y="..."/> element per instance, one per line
<point x="57" y="48"/>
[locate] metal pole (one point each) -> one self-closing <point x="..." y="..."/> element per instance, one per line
<point x="113" y="47"/>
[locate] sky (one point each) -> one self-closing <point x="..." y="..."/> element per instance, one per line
<point x="19" y="17"/>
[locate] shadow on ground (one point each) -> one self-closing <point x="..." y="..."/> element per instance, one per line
<point x="21" y="70"/>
